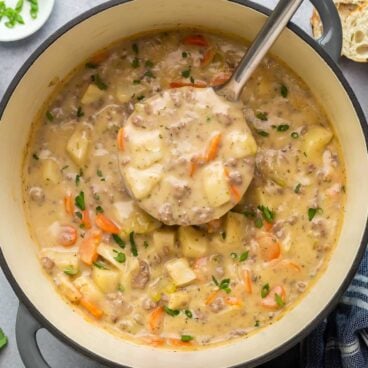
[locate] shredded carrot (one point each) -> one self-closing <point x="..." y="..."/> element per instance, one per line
<point x="220" y="79"/>
<point x="91" y="308"/>
<point x="208" y="57"/>
<point x="155" y="319"/>
<point x="213" y="147"/>
<point x="270" y="248"/>
<point x="100" y="57"/>
<point x="106" y="224"/>
<point x="154" y="340"/>
<point x="234" y="191"/>
<point x="120" y="139"/>
<point x="178" y="84"/>
<point x="270" y="300"/>
<point x="178" y="342"/>
<point x="69" y="204"/>
<point x="234" y="301"/>
<point x="247" y="281"/>
<point x="212" y="297"/>
<point x="67" y="236"/>
<point x="88" y="248"/>
<point x="195" y="40"/>
<point x="86" y="219"/>
<point x="267" y="226"/>
<point x="192" y="167"/>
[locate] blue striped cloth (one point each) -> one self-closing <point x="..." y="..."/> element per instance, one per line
<point x="342" y="339"/>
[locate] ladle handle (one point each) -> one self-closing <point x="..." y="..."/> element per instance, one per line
<point x="274" y="25"/>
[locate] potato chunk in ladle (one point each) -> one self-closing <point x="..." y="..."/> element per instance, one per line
<point x="187" y="155"/>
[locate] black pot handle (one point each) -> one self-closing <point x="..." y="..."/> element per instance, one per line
<point x="25" y="331"/>
<point x="331" y="39"/>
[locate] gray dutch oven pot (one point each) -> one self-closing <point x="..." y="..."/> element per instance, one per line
<point x="314" y="61"/>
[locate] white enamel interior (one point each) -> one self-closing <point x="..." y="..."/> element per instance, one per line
<point x="74" y="47"/>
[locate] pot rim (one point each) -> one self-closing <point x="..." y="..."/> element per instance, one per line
<point x="23" y="298"/>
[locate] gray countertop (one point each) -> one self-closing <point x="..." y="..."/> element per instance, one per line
<point x="12" y="56"/>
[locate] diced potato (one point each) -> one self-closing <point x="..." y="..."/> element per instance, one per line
<point x="164" y="240"/>
<point x="315" y="140"/>
<point x="193" y="243"/>
<point x="124" y="92"/>
<point x="108" y="253"/>
<point x="178" y="300"/>
<point x="141" y="182"/>
<point x="215" y="184"/>
<point x="67" y="288"/>
<point x="138" y="221"/>
<point x="88" y="289"/>
<point x="92" y="94"/>
<point x="240" y="145"/>
<point x="180" y="271"/>
<point x="106" y="280"/>
<point x="132" y="268"/>
<point x="51" y="171"/>
<point x="235" y="227"/>
<point x="146" y="148"/>
<point x="78" y="146"/>
<point x="62" y="259"/>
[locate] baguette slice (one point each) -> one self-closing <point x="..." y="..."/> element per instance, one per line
<point x="353" y="14"/>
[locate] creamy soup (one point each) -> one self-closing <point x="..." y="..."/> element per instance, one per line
<point x="182" y="286"/>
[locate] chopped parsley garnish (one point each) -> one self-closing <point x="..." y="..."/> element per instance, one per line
<point x="136" y="81"/>
<point x="262" y="133"/>
<point x="294" y="135"/>
<point x="282" y="128"/>
<point x="135" y="48"/>
<point x="100" y="84"/>
<point x="284" y="91"/>
<point x="171" y="312"/>
<point x="100" y="265"/>
<point x="262" y="116"/>
<point x="80" y="112"/>
<point x="119" y="256"/>
<point x="312" y="212"/>
<point x="267" y="214"/>
<point x="91" y="65"/>
<point x="256" y="324"/>
<point x="135" y="63"/>
<point x="185" y="73"/>
<point x="223" y="285"/>
<point x="3" y="339"/>
<point x="145" y="244"/>
<point x="279" y="300"/>
<point x="186" y="338"/>
<point x="233" y="255"/>
<point x="121" y="288"/>
<point x="78" y="176"/>
<point x="188" y="313"/>
<point x="64" y="167"/>
<point x="35" y="156"/>
<point x="140" y="98"/>
<point x="184" y="54"/>
<point x="191" y="79"/>
<point x="265" y="290"/>
<point x="119" y="241"/>
<point x="148" y="64"/>
<point x="244" y="256"/>
<point x="49" y="116"/>
<point x="99" y="173"/>
<point x="99" y="209"/>
<point x="70" y="270"/>
<point x="297" y="188"/>
<point x="79" y="201"/>
<point x="258" y="223"/>
<point x="149" y="74"/>
<point x="133" y="245"/>
<point x="79" y="215"/>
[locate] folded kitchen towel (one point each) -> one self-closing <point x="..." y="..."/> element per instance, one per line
<point x="342" y="339"/>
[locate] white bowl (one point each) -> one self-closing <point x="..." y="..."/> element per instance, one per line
<point x="30" y="25"/>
